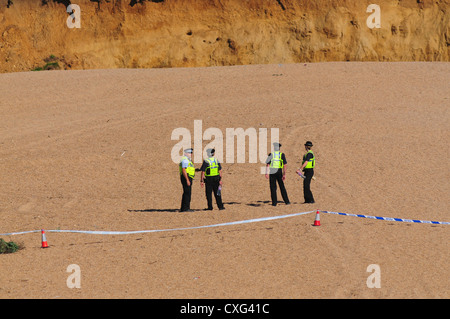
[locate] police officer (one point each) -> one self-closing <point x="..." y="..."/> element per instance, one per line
<point x="187" y="173"/>
<point x="212" y="177"/>
<point x="276" y="166"/>
<point x="308" y="163"/>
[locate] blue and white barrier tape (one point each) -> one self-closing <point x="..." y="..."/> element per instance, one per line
<point x="94" y="232"/>
<point x="390" y="218"/>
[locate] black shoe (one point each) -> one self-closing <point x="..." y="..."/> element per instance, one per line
<point x="222" y="208"/>
<point x="288" y="203"/>
<point x="274" y="204"/>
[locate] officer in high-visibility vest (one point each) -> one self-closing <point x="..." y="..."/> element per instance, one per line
<point x="212" y="177"/>
<point x="276" y="166"/>
<point x="187" y="173"/>
<point x="308" y="163"/>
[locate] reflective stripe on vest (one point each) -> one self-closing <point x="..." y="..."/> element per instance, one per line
<point x="311" y="162"/>
<point x="190" y="170"/>
<point x="213" y="167"/>
<point x="276" y="161"/>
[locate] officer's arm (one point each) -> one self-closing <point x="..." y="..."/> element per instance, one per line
<point x="202" y="169"/>
<point x="307" y="160"/>
<point x="303" y="166"/>
<point x="185" y="174"/>
<point x="269" y="158"/>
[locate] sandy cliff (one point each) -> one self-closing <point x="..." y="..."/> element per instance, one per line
<point x="177" y="33"/>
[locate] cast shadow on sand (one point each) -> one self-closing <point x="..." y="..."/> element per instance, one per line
<point x="171" y="210"/>
<point x="258" y="203"/>
<point x="149" y="210"/>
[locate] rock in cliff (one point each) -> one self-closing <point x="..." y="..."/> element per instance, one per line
<point x="36" y="34"/>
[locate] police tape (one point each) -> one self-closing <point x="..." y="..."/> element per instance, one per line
<point x="254" y="220"/>
<point x="390" y="218"/>
<point x="95" y="232"/>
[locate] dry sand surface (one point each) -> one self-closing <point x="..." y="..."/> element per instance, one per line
<point x="91" y="150"/>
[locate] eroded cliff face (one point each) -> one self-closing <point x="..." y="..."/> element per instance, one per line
<point x="185" y="33"/>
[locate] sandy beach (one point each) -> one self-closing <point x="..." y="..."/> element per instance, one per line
<point x="91" y="150"/>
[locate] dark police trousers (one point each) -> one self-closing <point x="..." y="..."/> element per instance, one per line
<point x="309" y="173"/>
<point x="275" y="178"/>
<point x="186" y="198"/>
<point x="212" y="186"/>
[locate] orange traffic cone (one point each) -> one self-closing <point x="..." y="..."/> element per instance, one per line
<point x="44" y="239"/>
<point x="317" y="220"/>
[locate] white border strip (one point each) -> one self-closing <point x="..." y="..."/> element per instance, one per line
<point x="93" y="232"/>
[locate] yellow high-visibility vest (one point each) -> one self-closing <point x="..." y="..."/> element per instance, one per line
<point x="276" y="161"/>
<point x="311" y="162"/>
<point x="190" y="170"/>
<point x="213" y="167"/>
